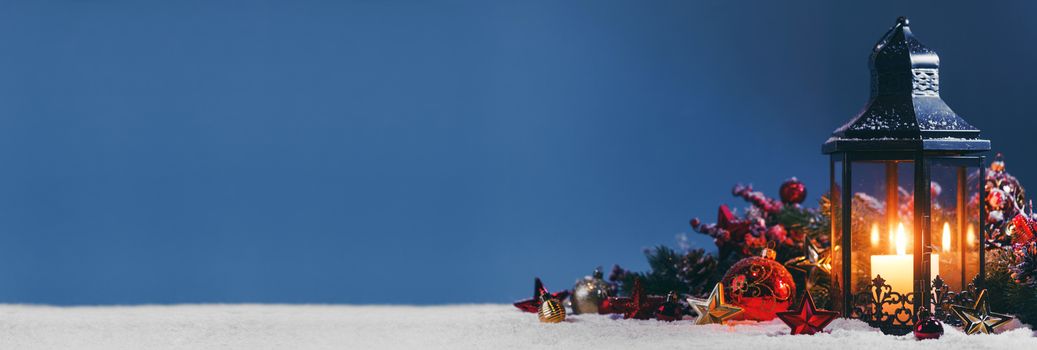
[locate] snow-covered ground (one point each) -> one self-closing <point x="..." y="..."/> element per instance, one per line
<point x="433" y="327"/>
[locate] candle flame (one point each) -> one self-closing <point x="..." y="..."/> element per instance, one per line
<point x="874" y="235"/>
<point x="901" y="240"/>
<point x="970" y="236"/>
<point x="946" y="237"/>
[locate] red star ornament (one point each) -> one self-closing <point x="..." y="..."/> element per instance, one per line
<point x="640" y="307"/>
<point x="533" y="305"/>
<point x="806" y="318"/>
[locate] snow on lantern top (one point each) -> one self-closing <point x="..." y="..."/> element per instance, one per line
<point x="905" y="111"/>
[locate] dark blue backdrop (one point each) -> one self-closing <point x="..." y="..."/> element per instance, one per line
<point x="429" y="152"/>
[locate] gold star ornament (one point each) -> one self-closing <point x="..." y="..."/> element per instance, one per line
<point x="714" y="309"/>
<point x="813" y="258"/>
<point x="978" y="318"/>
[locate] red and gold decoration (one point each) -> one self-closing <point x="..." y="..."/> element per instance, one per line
<point x="979" y="318"/>
<point x="551" y="310"/>
<point x="806" y="318"/>
<point x="589" y="293"/>
<point x="715" y="309"/>
<point x="670" y="310"/>
<point x="760" y="286"/>
<point x="533" y="305"/>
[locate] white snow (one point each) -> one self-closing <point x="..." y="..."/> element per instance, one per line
<point x="429" y="327"/>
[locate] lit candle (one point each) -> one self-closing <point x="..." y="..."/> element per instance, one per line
<point x="946" y="238"/>
<point x="970" y="236"/>
<point x="898" y="270"/>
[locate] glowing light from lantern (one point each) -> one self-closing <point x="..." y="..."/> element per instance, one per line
<point x="874" y="235"/>
<point x="946" y="237"/>
<point x="970" y="236"/>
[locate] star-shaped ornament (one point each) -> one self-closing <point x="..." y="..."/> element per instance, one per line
<point x="814" y="258"/>
<point x="639" y="307"/>
<point x="533" y="305"/>
<point x="978" y="318"/>
<point x="805" y="318"/>
<point x="714" y="309"/>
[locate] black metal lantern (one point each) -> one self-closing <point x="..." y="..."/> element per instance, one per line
<point x="907" y="190"/>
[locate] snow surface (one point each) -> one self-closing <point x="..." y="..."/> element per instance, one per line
<point x="430" y="327"/>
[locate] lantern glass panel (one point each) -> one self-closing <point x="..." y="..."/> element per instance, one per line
<point x="882" y="224"/>
<point x="955" y="214"/>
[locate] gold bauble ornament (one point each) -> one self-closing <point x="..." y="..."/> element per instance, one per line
<point x="588" y="293"/>
<point x="551" y="311"/>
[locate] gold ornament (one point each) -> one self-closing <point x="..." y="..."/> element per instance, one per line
<point x="978" y="318"/>
<point x="815" y="258"/>
<point x="551" y="311"/>
<point x="714" y="309"/>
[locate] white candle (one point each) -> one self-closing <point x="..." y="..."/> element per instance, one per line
<point x="898" y="270"/>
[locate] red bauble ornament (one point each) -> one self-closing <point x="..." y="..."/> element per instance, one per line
<point x="793" y="191"/>
<point x="928" y="328"/>
<point x="759" y="285"/>
<point x="996" y="199"/>
<point x="533" y="305"/>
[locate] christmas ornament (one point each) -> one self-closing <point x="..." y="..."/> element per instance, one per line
<point x="996" y="199"/>
<point x="533" y="305"/>
<point x="978" y="318"/>
<point x="928" y="327"/>
<point x="714" y="309"/>
<point x="670" y="310"/>
<point x="793" y="191"/>
<point x="805" y="318"/>
<point x="588" y="293"/>
<point x="551" y="310"/>
<point x="1022" y="229"/>
<point x="814" y="258"/>
<point x="639" y="307"/>
<point x="761" y="286"/>
<point x="639" y="302"/>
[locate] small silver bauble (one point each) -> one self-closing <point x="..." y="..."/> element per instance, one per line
<point x="588" y="293"/>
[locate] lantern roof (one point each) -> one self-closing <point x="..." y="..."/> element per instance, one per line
<point x="905" y="111"/>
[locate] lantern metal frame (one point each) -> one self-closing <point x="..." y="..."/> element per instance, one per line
<point x="904" y="121"/>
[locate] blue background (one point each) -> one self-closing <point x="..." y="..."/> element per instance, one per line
<point x="429" y="152"/>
